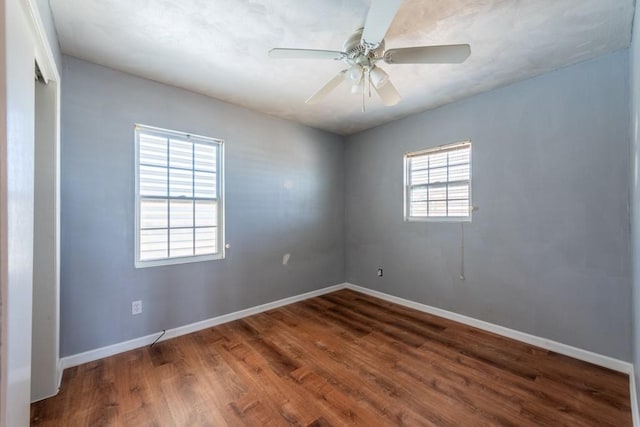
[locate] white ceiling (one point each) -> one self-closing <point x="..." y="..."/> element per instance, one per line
<point x="219" y="48"/>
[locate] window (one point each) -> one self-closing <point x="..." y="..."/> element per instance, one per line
<point x="179" y="203"/>
<point x="438" y="183"/>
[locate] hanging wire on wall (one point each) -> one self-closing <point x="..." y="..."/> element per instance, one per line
<point x="462" y="251"/>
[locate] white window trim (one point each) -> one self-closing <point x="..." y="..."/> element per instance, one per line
<point x="220" y="192"/>
<point x="406" y="185"/>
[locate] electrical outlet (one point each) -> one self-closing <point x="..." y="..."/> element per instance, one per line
<point x="136" y="307"/>
<point x="379" y="272"/>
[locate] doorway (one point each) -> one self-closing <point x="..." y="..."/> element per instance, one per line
<point x="45" y="370"/>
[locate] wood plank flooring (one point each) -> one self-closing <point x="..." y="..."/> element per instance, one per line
<point x="340" y="359"/>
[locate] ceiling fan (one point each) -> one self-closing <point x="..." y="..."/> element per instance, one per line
<point x="365" y="48"/>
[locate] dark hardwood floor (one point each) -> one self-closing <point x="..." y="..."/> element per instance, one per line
<point x="339" y="359"/>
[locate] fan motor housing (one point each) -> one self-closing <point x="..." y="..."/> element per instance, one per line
<point x="357" y="52"/>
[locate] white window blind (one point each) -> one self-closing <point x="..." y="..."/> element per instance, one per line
<point x="438" y="183"/>
<point x="179" y="197"/>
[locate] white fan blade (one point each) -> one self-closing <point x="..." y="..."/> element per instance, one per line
<point x="379" y="18"/>
<point x="389" y="94"/>
<point x="447" y="54"/>
<point x="285" y="53"/>
<point x="324" y="90"/>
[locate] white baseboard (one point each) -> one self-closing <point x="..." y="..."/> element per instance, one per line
<point x="110" y="350"/>
<point x="577" y="353"/>
<point x="567" y="350"/>
<point x="635" y="416"/>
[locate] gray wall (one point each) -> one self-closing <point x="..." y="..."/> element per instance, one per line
<point x="265" y="220"/>
<point x="634" y="176"/>
<point x="548" y="251"/>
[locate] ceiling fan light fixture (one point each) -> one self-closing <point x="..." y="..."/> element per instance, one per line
<point x="378" y="77"/>
<point x="358" y="88"/>
<point x="354" y="74"/>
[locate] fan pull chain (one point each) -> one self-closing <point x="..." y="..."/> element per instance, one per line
<point x="462" y="276"/>
<point x="363" y="95"/>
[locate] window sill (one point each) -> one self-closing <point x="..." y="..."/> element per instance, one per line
<point x="465" y="219"/>
<point x="180" y="260"/>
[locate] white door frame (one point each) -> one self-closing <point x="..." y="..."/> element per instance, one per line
<point x="46" y="363"/>
<point x="32" y="24"/>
